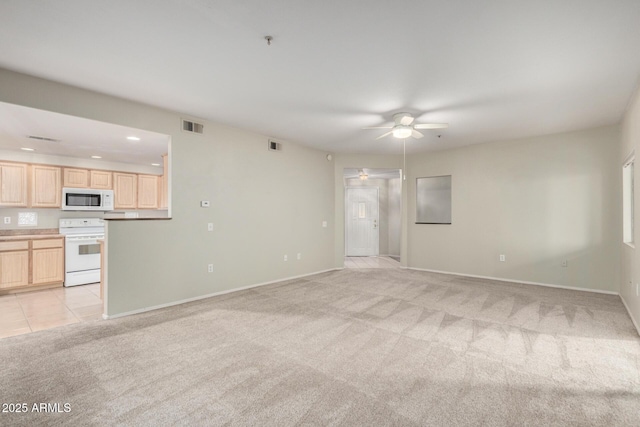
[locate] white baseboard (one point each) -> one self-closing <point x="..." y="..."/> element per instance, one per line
<point x="630" y="314"/>
<point x="183" y="301"/>
<point x="548" y="285"/>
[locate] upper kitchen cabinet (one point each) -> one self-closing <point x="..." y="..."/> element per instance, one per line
<point x="101" y="180"/>
<point x="125" y="189"/>
<point x="46" y="188"/>
<point x="147" y="192"/>
<point x="13" y="184"/>
<point x="77" y="178"/>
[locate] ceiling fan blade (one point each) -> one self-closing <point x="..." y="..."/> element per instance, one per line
<point x="416" y="134"/>
<point x="378" y="127"/>
<point x="385" y="134"/>
<point x="406" y="120"/>
<point x="431" y="126"/>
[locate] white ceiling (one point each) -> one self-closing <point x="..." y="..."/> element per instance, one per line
<point x="77" y="137"/>
<point x="493" y="70"/>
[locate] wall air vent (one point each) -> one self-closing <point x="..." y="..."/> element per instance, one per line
<point x="193" y="127"/>
<point x="274" y="146"/>
<point x="42" y="138"/>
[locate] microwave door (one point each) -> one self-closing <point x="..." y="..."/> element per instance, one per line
<point x="80" y="201"/>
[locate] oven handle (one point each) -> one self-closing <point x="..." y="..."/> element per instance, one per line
<point x="83" y="241"/>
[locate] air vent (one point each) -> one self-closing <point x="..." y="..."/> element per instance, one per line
<point x="43" y="138"/>
<point x="193" y="127"/>
<point x="274" y="146"/>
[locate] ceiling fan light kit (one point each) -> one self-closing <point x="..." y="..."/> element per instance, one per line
<point x="404" y="127"/>
<point x="402" y="131"/>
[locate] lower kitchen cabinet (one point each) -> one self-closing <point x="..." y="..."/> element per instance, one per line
<point x="30" y="263"/>
<point x="14" y="264"/>
<point x="47" y="261"/>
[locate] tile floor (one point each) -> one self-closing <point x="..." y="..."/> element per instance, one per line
<point x="34" y="311"/>
<point x="370" y="262"/>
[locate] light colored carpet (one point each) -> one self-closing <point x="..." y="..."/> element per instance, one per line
<point x="350" y="347"/>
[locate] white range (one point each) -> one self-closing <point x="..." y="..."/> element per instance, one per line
<point x="82" y="249"/>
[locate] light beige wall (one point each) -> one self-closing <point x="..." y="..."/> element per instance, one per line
<point x="263" y="204"/>
<point x="357" y="161"/>
<point x="630" y="143"/>
<point x="539" y="201"/>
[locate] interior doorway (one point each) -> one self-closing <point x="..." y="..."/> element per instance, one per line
<point x="373" y="213"/>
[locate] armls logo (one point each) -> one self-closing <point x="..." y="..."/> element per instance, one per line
<point x="51" y="407"/>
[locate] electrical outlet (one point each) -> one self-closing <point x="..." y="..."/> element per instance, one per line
<point x="204" y="203"/>
<point x="502" y="258"/>
<point x="324" y="224"/>
<point x="564" y="263"/>
<point x="286" y="258"/>
<point x="299" y="256"/>
<point x="210" y="268"/>
<point x="7" y="220"/>
<point x="210" y="226"/>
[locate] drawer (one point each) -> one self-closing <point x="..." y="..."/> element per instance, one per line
<point x="14" y="246"/>
<point x="47" y="243"/>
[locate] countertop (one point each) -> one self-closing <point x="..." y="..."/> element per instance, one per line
<point x="34" y="234"/>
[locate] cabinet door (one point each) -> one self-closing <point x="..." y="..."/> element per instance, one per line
<point x="78" y="178"/>
<point x="14" y="269"/>
<point x="47" y="265"/>
<point x="46" y="190"/>
<point x="147" y="192"/>
<point x="125" y="189"/>
<point x="101" y="180"/>
<point x="13" y="184"/>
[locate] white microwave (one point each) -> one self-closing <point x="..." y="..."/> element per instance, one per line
<point x="86" y="199"/>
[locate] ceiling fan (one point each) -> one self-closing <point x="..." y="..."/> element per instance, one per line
<point x="404" y="127"/>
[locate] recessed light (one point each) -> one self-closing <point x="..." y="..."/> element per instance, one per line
<point x="133" y="138"/>
<point x="28" y="149"/>
<point x="96" y="157"/>
<point x="155" y="164"/>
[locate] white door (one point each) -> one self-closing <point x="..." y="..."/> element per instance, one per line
<point x="362" y="221"/>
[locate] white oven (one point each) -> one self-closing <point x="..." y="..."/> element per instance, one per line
<point x="82" y="250"/>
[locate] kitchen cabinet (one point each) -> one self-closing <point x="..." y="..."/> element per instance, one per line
<point x="13" y="184"/>
<point x="46" y="189"/>
<point x="30" y="262"/>
<point x="125" y="190"/>
<point x="77" y="178"/>
<point x="14" y="264"/>
<point x="47" y="261"/>
<point x="163" y="187"/>
<point x="101" y="180"/>
<point x="147" y="192"/>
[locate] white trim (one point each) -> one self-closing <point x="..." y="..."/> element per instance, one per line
<point x="630" y="315"/>
<point x="598" y="291"/>
<point x="169" y="304"/>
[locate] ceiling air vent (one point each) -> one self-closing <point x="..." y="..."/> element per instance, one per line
<point x="43" y="138"/>
<point x="274" y="146"/>
<point x="193" y="127"/>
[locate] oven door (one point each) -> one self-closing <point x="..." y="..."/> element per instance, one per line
<point x="82" y="253"/>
